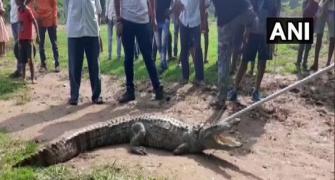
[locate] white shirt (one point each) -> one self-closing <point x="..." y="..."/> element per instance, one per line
<point x="81" y="18"/>
<point x="110" y="10"/>
<point x="190" y="16"/>
<point x="135" y="11"/>
<point x="13" y="12"/>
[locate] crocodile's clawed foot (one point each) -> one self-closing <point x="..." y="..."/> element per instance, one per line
<point x="140" y="150"/>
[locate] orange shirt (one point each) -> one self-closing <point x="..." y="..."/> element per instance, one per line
<point x="46" y="12"/>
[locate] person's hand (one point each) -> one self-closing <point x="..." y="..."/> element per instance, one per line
<point x="203" y="27"/>
<point x="38" y="40"/>
<point x="154" y="25"/>
<point x="119" y="28"/>
<point x="179" y="7"/>
<point x="2" y="13"/>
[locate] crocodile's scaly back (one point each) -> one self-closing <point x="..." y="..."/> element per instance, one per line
<point x="147" y="130"/>
<point x="162" y="132"/>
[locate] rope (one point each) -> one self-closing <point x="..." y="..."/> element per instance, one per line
<point x="276" y="94"/>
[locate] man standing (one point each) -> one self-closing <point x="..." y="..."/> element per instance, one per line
<point x="111" y="20"/>
<point x="231" y="16"/>
<point x="190" y="37"/>
<point x="133" y="21"/>
<point x="15" y="30"/>
<point x="83" y="38"/>
<point x="46" y="12"/>
<point x="163" y="20"/>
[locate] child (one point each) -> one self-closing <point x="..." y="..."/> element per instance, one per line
<point x="3" y="31"/>
<point x="27" y="20"/>
<point x="310" y="8"/>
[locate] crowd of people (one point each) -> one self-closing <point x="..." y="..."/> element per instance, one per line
<point x="143" y="26"/>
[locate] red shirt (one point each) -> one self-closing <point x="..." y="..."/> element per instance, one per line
<point x="26" y="19"/>
<point x="46" y="12"/>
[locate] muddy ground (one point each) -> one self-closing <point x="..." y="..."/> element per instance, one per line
<point x="291" y="137"/>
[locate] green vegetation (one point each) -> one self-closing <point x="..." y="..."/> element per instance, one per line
<point x="11" y="151"/>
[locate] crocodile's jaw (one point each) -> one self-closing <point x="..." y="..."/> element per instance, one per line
<point x="213" y="137"/>
<point x="226" y="143"/>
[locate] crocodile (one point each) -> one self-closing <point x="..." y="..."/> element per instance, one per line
<point x="139" y="131"/>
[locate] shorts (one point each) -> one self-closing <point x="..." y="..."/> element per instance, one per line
<point x="256" y="44"/>
<point x="25" y="51"/>
<point x="321" y="23"/>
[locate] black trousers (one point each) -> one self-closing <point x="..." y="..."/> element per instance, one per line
<point x="143" y="35"/>
<point x="77" y="47"/>
<point x="52" y="31"/>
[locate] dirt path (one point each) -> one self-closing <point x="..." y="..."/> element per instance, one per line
<point x="289" y="138"/>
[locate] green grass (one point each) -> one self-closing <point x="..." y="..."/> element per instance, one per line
<point x="283" y="64"/>
<point x="11" y="151"/>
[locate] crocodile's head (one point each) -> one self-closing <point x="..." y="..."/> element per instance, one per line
<point x="213" y="138"/>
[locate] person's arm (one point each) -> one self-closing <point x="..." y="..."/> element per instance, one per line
<point x="117" y="5"/>
<point x="54" y="5"/>
<point x="119" y="26"/>
<point x="278" y="8"/>
<point x="66" y="5"/>
<point x="177" y="7"/>
<point x="202" y="14"/>
<point x="2" y="10"/>
<point x="98" y="7"/>
<point x="36" y="27"/>
<point x="99" y="10"/>
<point x="152" y="9"/>
<point x="152" y="13"/>
<point x="107" y="4"/>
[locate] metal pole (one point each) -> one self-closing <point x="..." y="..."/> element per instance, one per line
<point x="278" y="93"/>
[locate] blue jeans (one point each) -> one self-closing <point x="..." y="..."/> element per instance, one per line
<point x="52" y="31"/>
<point x="191" y="38"/>
<point x="143" y="35"/>
<point x="163" y="33"/>
<point x="77" y="47"/>
<point x="110" y="41"/>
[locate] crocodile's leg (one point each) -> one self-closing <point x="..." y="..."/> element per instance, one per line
<point x="182" y="149"/>
<point x="138" y="131"/>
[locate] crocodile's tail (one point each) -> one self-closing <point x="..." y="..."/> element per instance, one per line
<point x="51" y="154"/>
<point x="68" y="146"/>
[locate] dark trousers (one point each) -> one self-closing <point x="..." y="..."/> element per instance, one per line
<point x="191" y="38"/>
<point x="303" y="53"/>
<point x="143" y="35"/>
<point x="77" y="47"/>
<point x="52" y="31"/>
